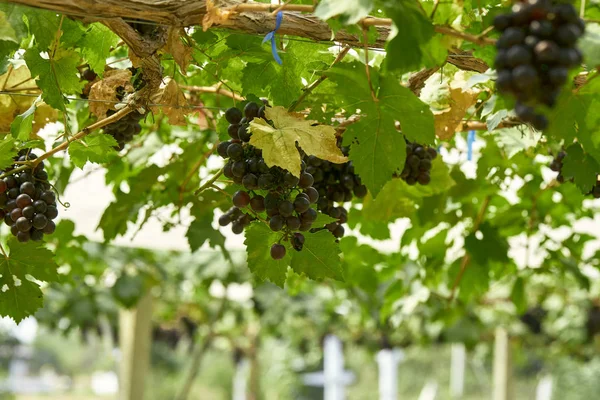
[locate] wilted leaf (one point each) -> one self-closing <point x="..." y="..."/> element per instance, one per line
<point x="448" y="120"/>
<point x="172" y="103"/>
<point x="105" y="90"/>
<point x="279" y="143"/>
<point x="214" y="15"/>
<point x="181" y="52"/>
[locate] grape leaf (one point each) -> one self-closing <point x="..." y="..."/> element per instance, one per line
<point x="404" y="51"/>
<point x="279" y="143"/>
<point x="53" y="87"/>
<point x="492" y="247"/>
<point x="322" y="220"/>
<point x="518" y="296"/>
<point x="7" y="32"/>
<point x="319" y="258"/>
<point x="96" y="148"/>
<point x="377" y="149"/>
<point x="96" y="46"/>
<point x="349" y="11"/>
<point x="20" y="297"/>
<point x="43" y="25"/>
<point x="581" y="167"/>
<point x="259" y="239"/>
<point x="22" y="125"/>
<point x="7" y="152"/>
<point x="201" y="231"/>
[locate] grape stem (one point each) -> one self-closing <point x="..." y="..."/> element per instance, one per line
<point x="3" y="251"/>
<point x="209" y="183"/>
<point x="368" y="69"/>
<point x="467" y="258"/>
<point x="213" y="89"/>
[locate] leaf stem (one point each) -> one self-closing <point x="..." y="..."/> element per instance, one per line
<point x="368" y="69"/>
<point x="3" y="251"/>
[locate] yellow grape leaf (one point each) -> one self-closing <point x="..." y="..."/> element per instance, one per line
<point x="19" y="79"/>
<point x="172" y="102"/>
<point x="105" y="91"/>
<point x="181" y="52"/>
<point x="279" y="143"/>
<point x="447" y="121"/>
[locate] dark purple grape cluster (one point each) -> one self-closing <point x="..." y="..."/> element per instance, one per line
<point x="335" y="183"/>
<point x="272" y="191"/>
<point x="417" y="167"/>
<point x="535" y="52"/>
<point x="557" y="164"/>
<point x="27" y="203"/>
<point x="124" y="129"/>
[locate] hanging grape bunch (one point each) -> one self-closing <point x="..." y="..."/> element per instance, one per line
<point x="27" y="203"/>
<point x="535" y="52"/>
<point x="335" y="183"/>
<point x="557" y="164"/>
<point x="124" y="129"/>
<point x="285" y="199"/>
<point x="417" y="167"/>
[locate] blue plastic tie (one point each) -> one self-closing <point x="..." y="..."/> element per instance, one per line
<point x="271" y="36"/>
<point x="470" y="141"/>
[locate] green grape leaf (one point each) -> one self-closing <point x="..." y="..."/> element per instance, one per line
<point x="349" y="11"/>
<point x="7" y="152"/>
<point x="201" y="231"/>
<point x="7" y="32"/>
<point x="518" y="295"/>
<point x="96" y="46"/>
<point x="95" y="148"/>
<point x="377" y="149"/>
<point x="57" y="77"/>
<point x="322" y="220"/>
<point x="491" y="247"/>
<point x="407" y="50"/>
<point x="20" y="297"/>
<point x="319" y="258"/>
<point x="43" y="25"/>
<point x="22" y="125"/>
<point x="278" y="143"/>
<point x="72" y="32"/>
<point x="581" y="167"/>
<point x="259" y="239"/>
<point x="13" y="15"/>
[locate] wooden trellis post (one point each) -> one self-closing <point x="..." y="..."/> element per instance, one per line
<point x="502" y="388"/>
<point x="135" y="337"/>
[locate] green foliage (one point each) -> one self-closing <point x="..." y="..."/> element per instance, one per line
<point x="95" y="148"/>
<point x="20" y="295"/>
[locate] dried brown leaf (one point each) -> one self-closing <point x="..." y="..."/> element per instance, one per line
<point x="215" y="15"/>
<point x="448" y="122"/>
<point x="181" y="52"/>
<point x="172" y="103"/>
<point x="105" y="91"/>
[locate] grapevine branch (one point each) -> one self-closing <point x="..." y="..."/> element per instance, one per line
<point x="464" y="264"/>
<point x="213" y="89"/>
<point x="209" y="183"/>
<point x="64" y="145"/>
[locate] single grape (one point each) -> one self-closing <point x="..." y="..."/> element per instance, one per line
<point x="233" y="131"/>
<point x="251" y="110"/>
<point x="286" y="208"/>
<point x="276" y="223"/>
<point x="50" y="228"/>
<point x="13" y="193"/>
<point x="239" y="169"/>
<point x="51" y="212"/>
<point x="16" y="214"/>
<point x="48" y="196"/>
<point x="424" y="178"/>
<point x="298" y="241"/>
<point x="301" y="204"/>
<point x="23" y="237"/>
<point x="313" y="194"/>
<point x="290" y="180"/>
<point x="222" y="149"/>
<point x="224" y="219"/>
<point x="265" y="181"/>
<point x="277" y="251"/>
<point x="36" y="235"/>
<point x="306" y="180"/>
<point x="243" y="133"/>
<point x="40" y="221"/>
<point x="258" y="203"/>
<point x="338" y="232"/>
<point x="24" y="200"/>
<point x="3" y="186"/>
<point x="309" y="215"/>
<point x="293" y="223"/>
<point x="241" y="199"/>
<point x="228" y="170"/>
<point x="250" y="181"/>
<point x="233" y="115"/>
<point x="235" y="151"/>
<point x="23" y="224"/>
<point x="237" y="227"/>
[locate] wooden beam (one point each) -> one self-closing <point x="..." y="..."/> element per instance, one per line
<point x="193" y="12"/>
